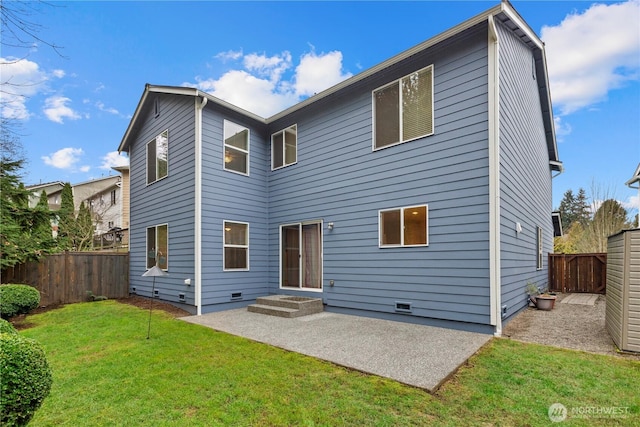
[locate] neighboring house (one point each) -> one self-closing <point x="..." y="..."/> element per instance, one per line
<point x="634" y="182"/>
<point x="53" y="191"/>
<point x="107" y="199"/>
<point x="103" y="197"/>
<point x="418" y="190"/>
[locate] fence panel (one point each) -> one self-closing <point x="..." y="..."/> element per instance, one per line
<point x="65" y="278"/>
<point x="578" y="273"/>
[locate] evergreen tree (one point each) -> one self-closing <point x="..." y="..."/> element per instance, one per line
<point x="566" y="209"/>
<point x="66" y="219"/>
<point x="42" y="231"/>
<point x="581" y="208"/>
<point x="84" y="229"/>
<point x="21" y="228"/>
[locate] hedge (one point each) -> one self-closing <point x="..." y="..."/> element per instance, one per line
<point x="25" y="379"/>
<point x="17" y="299"/>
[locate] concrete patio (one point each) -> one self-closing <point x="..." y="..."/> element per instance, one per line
<point x="420" y="356"/>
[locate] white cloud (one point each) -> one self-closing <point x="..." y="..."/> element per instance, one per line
<point x="562" y="128"/>
<point x="232" y="55"/>
<point x="268" y="84"/>
<point x="316" y="73"/>
<point x="591" y="53"/>
<point x="114" y="159"/>
<point x="65" y="158"/>
<point x="631" y="205"/>
<point x="272" y="67"/>
<point x="58" y="73"/>
<point x="20" y="79"/>
<point x="85" y="169"/>
<point x="109" y="110"/>
<point x="247" y="91"/>
<point x="56" y="109"/>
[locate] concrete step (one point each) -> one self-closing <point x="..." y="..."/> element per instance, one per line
<point x="273" y="310"/>
<point x="287" y="306"/>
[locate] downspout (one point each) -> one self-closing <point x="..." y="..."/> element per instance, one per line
<point x="495" y="296"/>
<point x="197" y="250"/>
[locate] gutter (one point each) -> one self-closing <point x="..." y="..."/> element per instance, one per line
<point x="199" y="106"/>
<point x="495" y="296"/>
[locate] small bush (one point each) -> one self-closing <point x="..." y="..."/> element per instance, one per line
<point x="17" y="299"/>
<point x="25" y="379"/>
<point x="6" y="327"/>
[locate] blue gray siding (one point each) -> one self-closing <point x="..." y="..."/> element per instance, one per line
<point x="525" y="176"/>
<point x="339" y="179"/>
<point x="169" y="200"/>
<point x="232" y="197"/>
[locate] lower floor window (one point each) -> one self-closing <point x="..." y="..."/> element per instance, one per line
<point x="404" y="226"/>
<point x="158" y="246"/>
<point x="236" y="245"/>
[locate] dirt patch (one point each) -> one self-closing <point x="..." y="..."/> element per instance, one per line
<point x="145" y="303"/>
<point x="22" y="322"/>
<point x="573" y="326"/>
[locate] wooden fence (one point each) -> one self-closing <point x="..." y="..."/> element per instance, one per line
<point x="578" y="273"/>
<point x="65" y="278"/>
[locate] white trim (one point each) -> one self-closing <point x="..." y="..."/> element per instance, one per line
<point x="300" y="288"/>
<point x="400" y="110"/>
<point x="495" y="284"/>
<point x="225" y="245"/>
<point x="539" y="249"/>
<point x="197" y="249"/>
<point x="402" y="209"/>
<point x="224" y="147"/>
<point x="284" y="147"/>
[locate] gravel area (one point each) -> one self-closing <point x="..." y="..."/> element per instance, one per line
<point x="573" y="326"/>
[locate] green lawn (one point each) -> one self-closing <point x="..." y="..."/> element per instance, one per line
<point x="106" y="373"/>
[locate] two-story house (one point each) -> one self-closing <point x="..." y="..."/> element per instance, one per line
<point x="418" y="190"/>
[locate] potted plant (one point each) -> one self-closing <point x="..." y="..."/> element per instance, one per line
<point x="541" y="300"/>
<point x="545" y="301"/>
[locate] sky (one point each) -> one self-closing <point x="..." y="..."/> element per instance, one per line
<point x="74" y="101"/>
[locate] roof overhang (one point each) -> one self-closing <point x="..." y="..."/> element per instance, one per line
<point x="635" y="179"/>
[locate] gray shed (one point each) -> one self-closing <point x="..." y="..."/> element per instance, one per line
<point x="623" y="289"/>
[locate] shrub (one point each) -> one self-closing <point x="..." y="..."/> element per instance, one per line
<point x="6" y="327"/>
<point x="17" y="299"/>
<point x="25" y="379"/>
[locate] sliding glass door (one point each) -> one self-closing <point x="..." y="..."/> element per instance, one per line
<point x="301" y="255"/>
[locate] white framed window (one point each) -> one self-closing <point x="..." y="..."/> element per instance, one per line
<point x="236" y="148"/>
<point x="158" y="246"/>
<point x="401" y="227"/>
<point x="236" y="246"/>
<point x="540" y="260"/>
<point x="158" y="157"/>
<point x="284" y="147"/>
<point x="114" y="199"/>
<point x="403" y="109"/>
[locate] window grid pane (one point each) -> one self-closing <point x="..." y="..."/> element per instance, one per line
<point x="415" y="225"/>
<point x="162" y="154"/>
<point x="290" y="141"/>
<point x="416" y="105"/>
<point x="387" y="116"/>
<point x="390" y="228"/>
<point x="277" y="150"/>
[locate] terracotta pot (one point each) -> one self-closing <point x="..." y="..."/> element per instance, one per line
<point x="545" y="302"/>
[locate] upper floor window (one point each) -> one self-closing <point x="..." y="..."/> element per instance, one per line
<point x="236" y="148"/>
<point x="158" y="157"/>
<point x="403" y="110"/>
<point x="158" y="246"/>
<point x="404" y="226"/>
<point x="284" y="147"/>
<point x="113" y="197"/>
